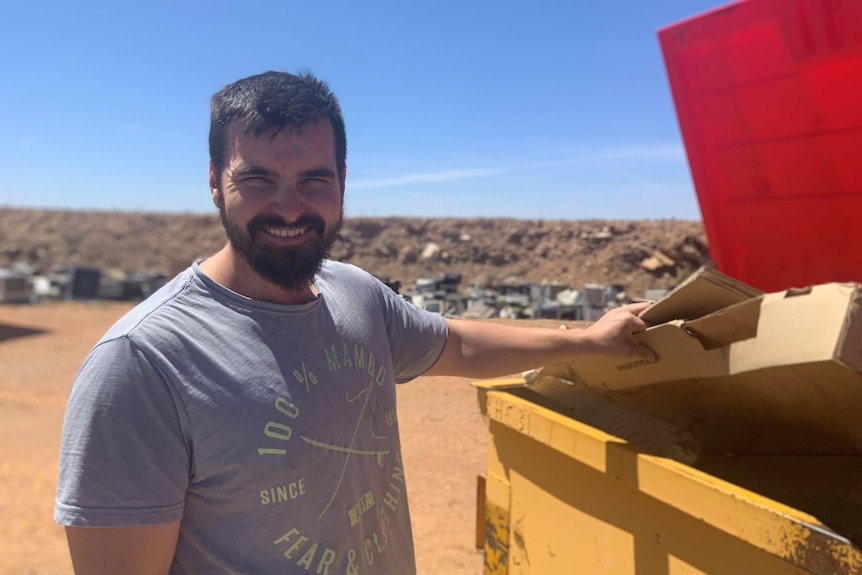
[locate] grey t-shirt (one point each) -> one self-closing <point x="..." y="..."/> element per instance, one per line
<point x="269" y="429"/>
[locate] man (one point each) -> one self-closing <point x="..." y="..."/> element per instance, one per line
<point x="242" y="419"/>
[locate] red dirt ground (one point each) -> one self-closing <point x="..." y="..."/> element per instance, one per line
<point x="444" y="443"/>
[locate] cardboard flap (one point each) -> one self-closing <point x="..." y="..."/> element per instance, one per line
<point x="652" y="434"/>
<point x="704" y="292"/>
<point x="735" y="323"/>
<point x="681" y="356"/>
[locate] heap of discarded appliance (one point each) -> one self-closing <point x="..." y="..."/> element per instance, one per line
<point x="442" y="294"/>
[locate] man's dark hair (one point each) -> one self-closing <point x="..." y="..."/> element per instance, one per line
<point x="274" y="100"/>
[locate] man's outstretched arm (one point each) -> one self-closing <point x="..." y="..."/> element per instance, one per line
<point x="145" y="550"/>
<point x="486" y="349"/>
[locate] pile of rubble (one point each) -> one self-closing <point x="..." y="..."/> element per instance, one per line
<point x="639" y="254"/>
<point x="131" y="249"/>
<point x="515" y="299"/>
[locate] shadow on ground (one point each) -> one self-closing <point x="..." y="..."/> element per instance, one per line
<point x="8" y="332"/>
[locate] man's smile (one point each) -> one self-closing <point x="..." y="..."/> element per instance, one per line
<point x="291" y="232"/>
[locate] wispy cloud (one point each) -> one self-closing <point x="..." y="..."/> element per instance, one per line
<point x="600" y="159"/>
<point x="610" y="161"/>
<point x="651" y="152"/>
<point x="429" y="177"/>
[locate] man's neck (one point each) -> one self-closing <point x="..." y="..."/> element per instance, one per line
<point x="233" y="272"/>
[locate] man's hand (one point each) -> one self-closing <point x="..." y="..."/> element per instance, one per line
<point x="613" y="333"/>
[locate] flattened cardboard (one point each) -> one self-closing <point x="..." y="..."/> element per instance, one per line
<point x="702" y="293"/>
<point x="777" y="373"/>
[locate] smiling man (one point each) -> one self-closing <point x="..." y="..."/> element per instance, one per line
<point x="242" y="419"/>
<point x="279" y="186"/>
<point x="280" y="198"/>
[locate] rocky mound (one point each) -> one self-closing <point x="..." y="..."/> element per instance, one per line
<point x="635" y="253"/>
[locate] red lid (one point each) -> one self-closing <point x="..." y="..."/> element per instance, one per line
<point x="768" y="94"/>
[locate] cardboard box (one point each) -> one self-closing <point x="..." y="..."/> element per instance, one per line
<point x="746" y="372"/>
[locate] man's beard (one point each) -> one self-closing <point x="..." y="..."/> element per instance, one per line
<point x="293" y="268"/>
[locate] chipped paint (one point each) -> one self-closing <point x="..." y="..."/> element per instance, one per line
<point x="821" y="552"/>
<point x="496" y="539"/>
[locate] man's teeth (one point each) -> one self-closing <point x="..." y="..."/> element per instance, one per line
<point x="286" y="232"/>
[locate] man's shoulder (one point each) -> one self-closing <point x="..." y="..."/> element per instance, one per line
<point x="334" y="271"/>
<point x="347" y="280"/>
<point x="162" y="302"/>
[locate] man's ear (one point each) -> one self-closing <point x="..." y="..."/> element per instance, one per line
<point x="214" y="187"/>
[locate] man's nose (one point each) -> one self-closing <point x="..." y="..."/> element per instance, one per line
<point x="288" y="202"/>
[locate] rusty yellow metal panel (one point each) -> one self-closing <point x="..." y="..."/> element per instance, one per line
<point x="496" y="528"/>
<point x="582" y="501"/>
<point x="481" y="499"/>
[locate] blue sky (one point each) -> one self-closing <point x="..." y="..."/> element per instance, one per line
<point x="540" y="109"/>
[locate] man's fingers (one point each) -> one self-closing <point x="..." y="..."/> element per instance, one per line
<point x="638" y="307"/>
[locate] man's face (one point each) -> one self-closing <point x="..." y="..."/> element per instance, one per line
<point x="281" y="199"/>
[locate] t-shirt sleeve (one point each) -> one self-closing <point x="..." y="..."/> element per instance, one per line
<point x="416" y="336"/>
<point x="125" y="454"/>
